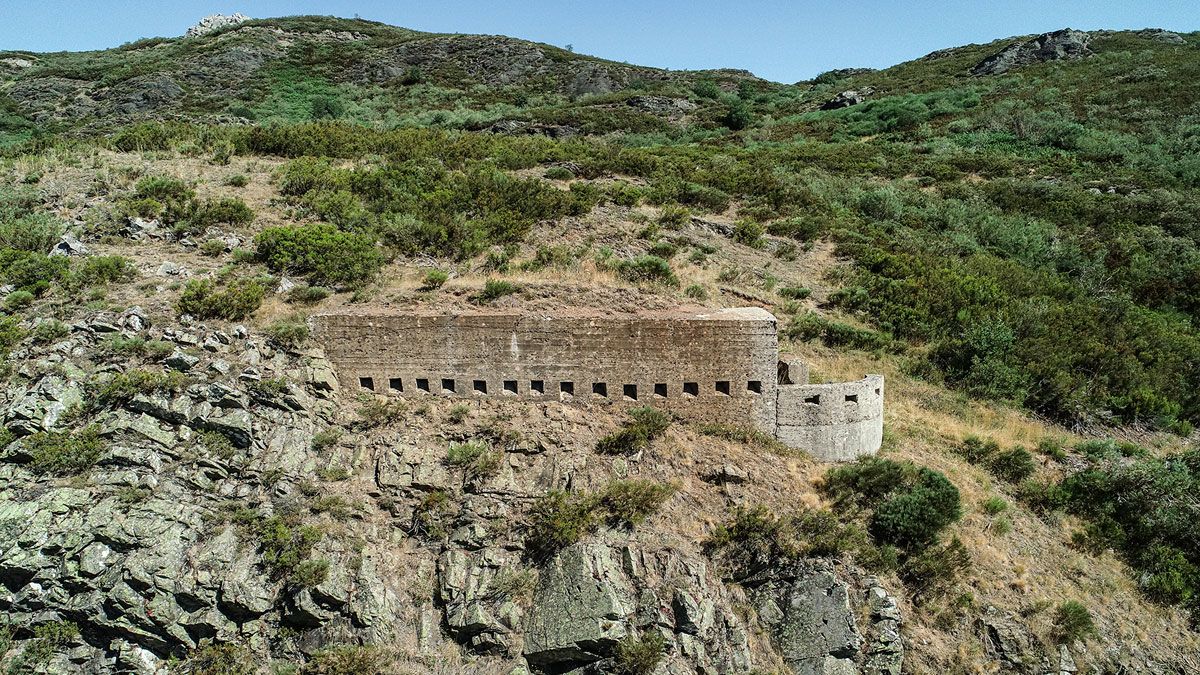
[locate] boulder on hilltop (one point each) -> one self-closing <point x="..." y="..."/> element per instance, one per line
<point x="215" y="22"/>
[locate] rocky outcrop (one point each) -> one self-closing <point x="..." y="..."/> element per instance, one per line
<point x="811" y="622"/>
<point x="848" y="98"/>
<point x="1060" y="45"/>
<point x="215" y="22"/>
<point x="590" y="597"/>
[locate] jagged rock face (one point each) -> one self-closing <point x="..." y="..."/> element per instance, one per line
<point x="214" y="22"/>
<point x="1060" y="45"/>
<point x="591" y="596"/>
<point x="848" y="98"/>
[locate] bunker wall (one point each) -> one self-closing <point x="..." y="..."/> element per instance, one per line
<point x="833" y="422"/>
<point x="718" y="367"/>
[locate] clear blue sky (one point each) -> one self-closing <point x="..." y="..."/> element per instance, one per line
<point x="783" y="41"/>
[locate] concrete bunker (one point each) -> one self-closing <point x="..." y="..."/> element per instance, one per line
<point x="719" y="366"/>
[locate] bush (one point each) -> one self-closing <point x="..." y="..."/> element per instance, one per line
<point x="557" y="520"/>
<point x="50" y="331"/>
<point x="212" y="248"/>
<point x="236" y="299"/>
<point x="696" y="292"/>
<point x="103" y="269"/>
<point x="287" y="333"/>
<point x="34" y="232"/>
<point x="346" y="660"/>
<point x="810" y="326"/>
<point x="32" y="272"/>
<point x="643" y="426"/>
<point x="284" y="544"/>
<point x="749" y="233"/>
<point x="1013" y="465"/>
<point x="867" y="482"/>
<point x="913" y="518"/>
<point x="496" y="288"/>
<point x="18" y="300"/>
<point x="237" y="180"/>
<point x="325" y="254"/>
<point x="639" y="655"/>
<point x="934" y="571"/>
<point x="647" y="268"/>
<point x="756" y="540"/>
<point x="434" y="279"/>
<point x="629" y="502"/>
<point x="122" y="387"/>
<point x="558" y="173"/>
<point x="378" y="412"/>
<point x="308" y="295"/>
<point x="794" y="292"/>
<point x="477" y="460"/>
<point x="1073" y="621"/>
<point x="228" y="211"/>
<point x="65" y="453"/>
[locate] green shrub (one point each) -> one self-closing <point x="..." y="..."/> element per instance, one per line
<point x="994" y="506"/>
<point x="1073" y="621"/>
<point x="674" y="216"/>
<point x="913" y="518"/>
<point x="1013" y="465"/>
<point x="935" y="570"/>
<point x="494" y="289"/>
<point x="557" y="520"/>
<point x="434" y="279"/>
<point x="868" y="481"/>
<point x="285" y="545"/>
<point x="379" y="412"/>
<point x="103" y="269"/>
<point x="287" y="333"/>
<point x="122" y="387"/>
<point x="309" y="573"/>
<point x="325" y="254"/>
<point x="48" y="638"/>
<point x="643" y="426"/>
<point x="230" y="211"/>
<point x="639" y="655"/>
<point x="237" y="180"/>
<point x="794" y="292"/>
<point x="212" y="248"/>
<point x="232" y="300"/>
<point x="810" y="326"/>
<point x="696" y="292"/>
<point x="323" y="440"/>
<point x="11" y="333"/>
<point x="65" y="453"/>
<point x="429" y="514"/>
<point x="749" y="233"/>
<point x="558" y="173"/>
<point x="50" y="331"/>
<point x="628" y="503"/>
<point x="346" y="660"/>
<point x="649" y="269"/>
<point x="308" y="295"/>
<point x="32" y="272"/>
<point x="756" y="539"/>
<point x="477" y="460"/>
<point x="34" y="232"/>
<point x="219" y="659"/>
<point x="18" y="300"/>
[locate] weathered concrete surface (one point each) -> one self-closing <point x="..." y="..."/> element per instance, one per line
<point x="708" y="366"/>
<point x="834" y="422"/>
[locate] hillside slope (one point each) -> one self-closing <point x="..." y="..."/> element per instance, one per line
<point x="1008" y="232"/>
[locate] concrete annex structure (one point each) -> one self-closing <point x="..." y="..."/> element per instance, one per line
<point x="719" y="366"/>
